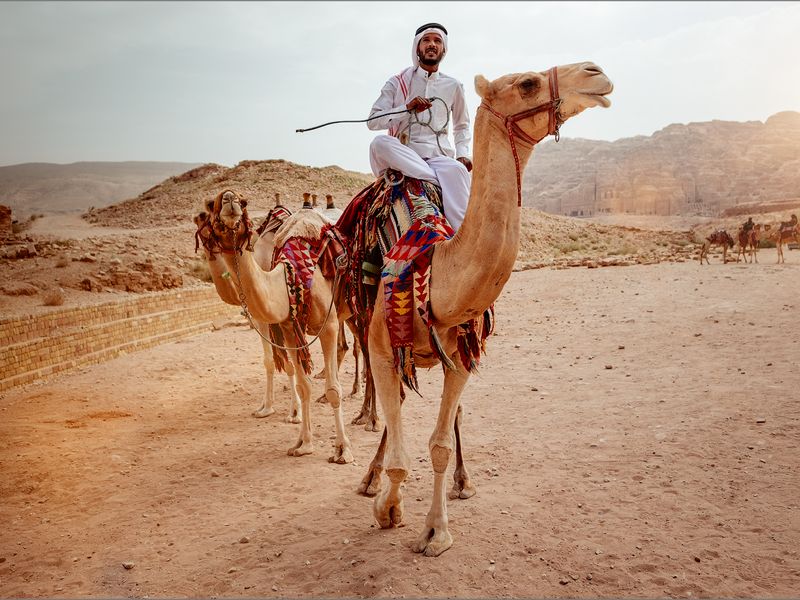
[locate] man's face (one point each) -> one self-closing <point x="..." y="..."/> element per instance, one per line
<point x="430" y="49"/>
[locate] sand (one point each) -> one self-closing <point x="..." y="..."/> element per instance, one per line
<point x="633" y="433"/>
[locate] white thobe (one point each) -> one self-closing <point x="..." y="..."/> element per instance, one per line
<point x="423" y="154"/>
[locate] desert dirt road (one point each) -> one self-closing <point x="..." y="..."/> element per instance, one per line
<point x="633" y="432"/>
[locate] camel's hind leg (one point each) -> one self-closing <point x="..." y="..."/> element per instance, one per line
<point x="266" y="408"/>
<point x="462" y="485"/>
<point x="435" y="537"/>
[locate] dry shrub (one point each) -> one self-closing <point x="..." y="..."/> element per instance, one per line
<point x="53" y="297"/>
<point x="199" y="269"/>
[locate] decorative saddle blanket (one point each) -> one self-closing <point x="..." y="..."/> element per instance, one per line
<point x="392" y="231"/>
<point x="300" y="257"/>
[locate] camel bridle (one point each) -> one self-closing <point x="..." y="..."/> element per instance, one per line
<point x="515" y="131"/>
<point x="212" y="241"/>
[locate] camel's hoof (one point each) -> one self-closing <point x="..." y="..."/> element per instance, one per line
<point x="322" y="399"/>
<point x="387" y="514"/>
<point x="371" y="484"/>
<point x="341" y="456"/>
<point x="373" y="425"/>
<point x="301" y="449"/>
<point x="359" y="419"/>
<point x="295" y="418"/>
<point x="462" y="490"/>
<point x="320" y="375"/>
<point x="263" y="412"/>
<point x="433" y="542"/>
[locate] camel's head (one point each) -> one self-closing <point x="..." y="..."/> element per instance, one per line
<point x="228" y="225"/>
<point x="537" y="103"/>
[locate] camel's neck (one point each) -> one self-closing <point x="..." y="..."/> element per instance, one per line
<point x="264" y="291"/>
<point x="225" y="288"/>
<point x="470" y="270"/>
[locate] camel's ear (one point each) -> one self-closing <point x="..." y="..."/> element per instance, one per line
<point x="482" y="86"/>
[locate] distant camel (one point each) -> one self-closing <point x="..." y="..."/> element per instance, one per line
<point x="787" y="231"/>
<point x="748" y="243"/>
<point x="718" y="238"/>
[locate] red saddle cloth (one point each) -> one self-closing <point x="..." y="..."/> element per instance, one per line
<point x="300" y="257"/>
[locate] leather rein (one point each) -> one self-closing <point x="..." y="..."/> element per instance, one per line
<point x="515" y="131"/>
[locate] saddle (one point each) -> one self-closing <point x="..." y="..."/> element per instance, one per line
<point x="392" y="227"/>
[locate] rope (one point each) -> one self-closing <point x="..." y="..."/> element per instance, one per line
<point x="246" y="312"/>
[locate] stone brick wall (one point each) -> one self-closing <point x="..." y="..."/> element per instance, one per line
<point x="36" y="346"/>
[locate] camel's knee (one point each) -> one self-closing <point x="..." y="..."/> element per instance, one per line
<point x="440" y="458"/>
<point x="334" y="396"/>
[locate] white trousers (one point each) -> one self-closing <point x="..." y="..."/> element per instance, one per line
<point x="386" y="152"/>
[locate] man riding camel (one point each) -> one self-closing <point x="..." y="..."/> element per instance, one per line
<point x="418" y="143"/>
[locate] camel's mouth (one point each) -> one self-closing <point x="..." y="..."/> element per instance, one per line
<point x="597" y="99"/>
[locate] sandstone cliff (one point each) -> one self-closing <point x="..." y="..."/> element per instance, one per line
<point x="695" y="169"/>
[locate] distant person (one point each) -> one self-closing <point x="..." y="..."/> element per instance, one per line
<point x="417" y="150"/>
<point x="748" y="225"/>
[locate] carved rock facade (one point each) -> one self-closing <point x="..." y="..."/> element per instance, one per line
<point x="695" y="169"/>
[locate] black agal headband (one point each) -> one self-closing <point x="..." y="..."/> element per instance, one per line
<point x="430" y="26"/>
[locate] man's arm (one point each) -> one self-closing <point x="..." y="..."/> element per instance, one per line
<point x="385" y="104"/>
<point x="461" y="132"/>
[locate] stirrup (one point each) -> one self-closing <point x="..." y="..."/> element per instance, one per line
<point x="393" y="177"/>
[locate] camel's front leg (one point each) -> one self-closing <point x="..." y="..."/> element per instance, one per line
<point x="435" y="537"/>
<point x="304" y="443"/>
<point x="388" y="504"/>
<point x="462" y="485"/>
<point x="266" y="408"/>
<point x="343" y="451"/>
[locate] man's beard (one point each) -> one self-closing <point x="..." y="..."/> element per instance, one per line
<point x="429" y="62"/>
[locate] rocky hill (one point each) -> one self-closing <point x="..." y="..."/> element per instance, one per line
<point x="695" y="169"/>
<point x="148" y="243"/>
<point x="176" y="199"/>
<point x="33" y="188"/>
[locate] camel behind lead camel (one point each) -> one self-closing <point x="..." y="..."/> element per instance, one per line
<point x="266" y="299"/>
<point x="229" y="293"/>
<point x="469" y="270"/>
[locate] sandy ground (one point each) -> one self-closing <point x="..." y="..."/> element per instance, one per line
<point x="633" y="433"/>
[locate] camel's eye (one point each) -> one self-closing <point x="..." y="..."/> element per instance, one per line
<point x="528" y="86"/>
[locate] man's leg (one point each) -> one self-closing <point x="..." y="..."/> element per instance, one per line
<point x="386" y="152"/>
<point x="455" y="181"/>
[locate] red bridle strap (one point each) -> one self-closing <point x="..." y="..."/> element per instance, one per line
<point x="514" y="130"/>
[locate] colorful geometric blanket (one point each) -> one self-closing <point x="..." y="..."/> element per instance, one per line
<point x="397" y="227"/>
<point x="300" y="257"/>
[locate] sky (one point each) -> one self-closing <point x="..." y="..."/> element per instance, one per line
<point x="224" y="82"/>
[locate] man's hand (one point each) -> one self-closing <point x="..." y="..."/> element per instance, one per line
<point x="419" y="104"/>
<point x="466" y="162"/>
